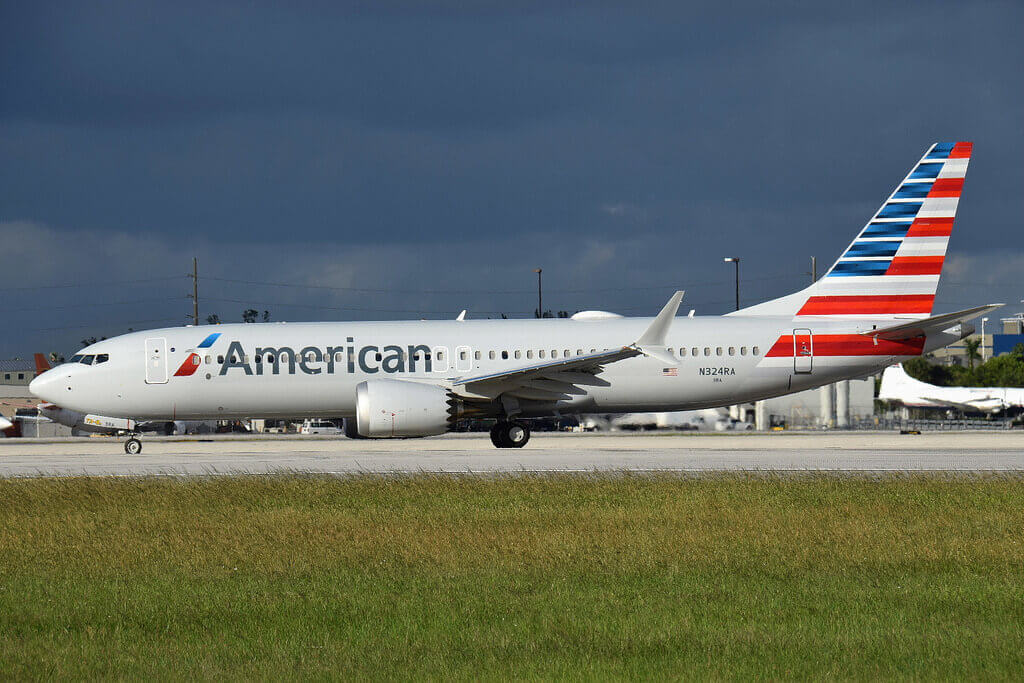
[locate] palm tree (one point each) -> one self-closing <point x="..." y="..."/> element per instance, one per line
<point x="971" y="348"/>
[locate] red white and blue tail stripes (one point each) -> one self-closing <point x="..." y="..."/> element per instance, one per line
<point x="892" y="268"/>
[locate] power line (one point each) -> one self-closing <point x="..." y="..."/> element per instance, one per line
<point x="79" y="285"/>
<point x="92" y="305"/>
<point x="466" y="291"/>
<point x="104" y="324"/>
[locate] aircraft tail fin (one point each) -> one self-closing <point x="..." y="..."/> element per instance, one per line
<point x="42" y="365"/>
<point x="892" y="268"/>
<point x="898" y="385"/>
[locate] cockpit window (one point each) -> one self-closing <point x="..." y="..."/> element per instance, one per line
<point x="76" y="359"/>
<point x="87" y="360"/>
<point x="102" y="358"/>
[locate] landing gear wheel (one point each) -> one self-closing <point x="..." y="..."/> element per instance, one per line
<point x="510" y="434"/>
<point x="133" y="446"/>
<point x="517" y="435"/>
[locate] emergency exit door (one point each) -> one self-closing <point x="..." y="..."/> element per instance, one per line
<point x="803" y="352"/>
<point x="156" y="360"/>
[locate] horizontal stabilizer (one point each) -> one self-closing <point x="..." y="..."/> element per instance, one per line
<point x="930" y="325"/>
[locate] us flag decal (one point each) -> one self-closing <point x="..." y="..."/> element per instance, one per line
<point x="670" y="372"/>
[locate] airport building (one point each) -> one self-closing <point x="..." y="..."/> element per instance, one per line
<point x="17" y="371"/>
<point x="1000" y="338"/>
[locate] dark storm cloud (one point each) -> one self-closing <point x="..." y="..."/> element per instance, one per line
<point x="502" y="137"/>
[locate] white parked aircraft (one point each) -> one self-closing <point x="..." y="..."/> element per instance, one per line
<point x="7" y="427"/>
<point x="900" y="387"/>
<point x="401" y="379"/>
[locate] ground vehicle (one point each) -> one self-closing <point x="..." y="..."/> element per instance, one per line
<point x="319" y="427"/>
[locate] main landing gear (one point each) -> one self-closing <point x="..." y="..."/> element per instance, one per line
<point x="133" y="446"/>
<point x="510" y="434"/>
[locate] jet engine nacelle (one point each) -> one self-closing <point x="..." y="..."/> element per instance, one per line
<point x="387" y="408"/>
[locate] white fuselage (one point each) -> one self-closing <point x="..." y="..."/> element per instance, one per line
<point x="282" y="370"/>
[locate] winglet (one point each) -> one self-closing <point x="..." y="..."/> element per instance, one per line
<point x="656" y="334"/>
<point x="462" y="316"/>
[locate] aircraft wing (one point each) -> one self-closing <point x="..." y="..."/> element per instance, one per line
<point x="930" y="325"/>
<point x="559" y="379"/>
<point x="970" y="407"/>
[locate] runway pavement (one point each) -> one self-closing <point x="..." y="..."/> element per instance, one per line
<point x="865" y="452"/>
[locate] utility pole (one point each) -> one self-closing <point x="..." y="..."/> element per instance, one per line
<point x="735" y="261"/>
<point x="195" y="291"/>
<point x="540" y="294"/>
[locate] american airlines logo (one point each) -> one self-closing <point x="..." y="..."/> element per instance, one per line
<point x="314" y="360"/>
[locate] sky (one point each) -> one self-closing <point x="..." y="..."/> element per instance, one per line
<point x="387" y="160"/>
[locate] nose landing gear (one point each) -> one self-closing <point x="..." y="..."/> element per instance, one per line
<point x="510" y="434"/>
<point x="133" y="446"/>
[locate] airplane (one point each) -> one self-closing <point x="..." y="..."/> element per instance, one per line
<point x="900" y="387"/>
<point x="8" y="428"/>
<point x="871" y="309"/>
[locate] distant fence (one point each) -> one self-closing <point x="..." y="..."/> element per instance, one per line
<point x="938" y="425"/>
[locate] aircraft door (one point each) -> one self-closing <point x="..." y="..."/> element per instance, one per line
<point x="463" y="358"/>
<point x="156" y="360"/>
<point x="803" y="352"/>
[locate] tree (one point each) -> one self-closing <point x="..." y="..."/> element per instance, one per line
<point x="266" y="316"/>
<point x="971" y="348"/>
<point x="250" y="315"/>
<point x="213" y="319"/>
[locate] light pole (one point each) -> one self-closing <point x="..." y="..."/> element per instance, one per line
<point x="983" y="321"/>
<point x="540" y="295"/>
<point x="735" y="260"/>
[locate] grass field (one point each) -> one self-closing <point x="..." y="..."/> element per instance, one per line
<point x="570" y="577"/>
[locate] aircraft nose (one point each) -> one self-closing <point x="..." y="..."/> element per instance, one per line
<point x="47" y="386"/>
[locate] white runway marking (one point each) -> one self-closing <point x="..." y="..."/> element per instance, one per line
<point x="836" y="452"/>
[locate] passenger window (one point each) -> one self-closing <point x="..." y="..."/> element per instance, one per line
<point x="732" y="350"/>
<point x="718" y="350"/>
<point x="259" y="359"/>
<point x="579" y="352"/>
<point x="490" y="354"/>
<point x="210" y="360"/>
<point x="220" y="359"/>
<point x="565" y="353"/>
<point x="270" y="358"/>
<point x="462" y="355"/>
<point x="440" y="355"/>
<point x="593" y="350"/>
<point x="743" y="350"/>
<point x="517" y="354"/>
<point x="541" y="353"/>
<point x="756" y="351"/>
<point x="476" y="355"/>
<point x="338" y="357"/>
<point x="529" y="353"/>
<point x="707" y="350"/>
<point x="504" y="355"/>
<point x="694" y="351"/>
<point x="554" y="353"/>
